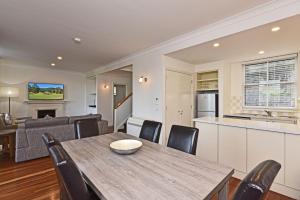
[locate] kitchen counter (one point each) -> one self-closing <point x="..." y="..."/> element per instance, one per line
<point x="242" y="144"/>
<point x="252" y="124"/>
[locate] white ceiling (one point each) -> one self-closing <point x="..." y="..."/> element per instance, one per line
<point x="246" y="45"/>
<point x="36" y="31"/>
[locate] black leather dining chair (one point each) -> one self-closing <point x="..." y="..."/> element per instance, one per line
<point x="69" y="174"/>
<point x="257" y="183"/>
<point x="183" y="138"/>
<point x="151" y="131"/>
<point x="49" y="140"/>
<point x="86" y="128"/>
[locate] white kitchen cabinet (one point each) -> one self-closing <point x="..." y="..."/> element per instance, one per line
<point x="207" y="147"/>
<point x="292" y="161"/>
<point x="232" y="147"/>
<point x="265" y="145"/>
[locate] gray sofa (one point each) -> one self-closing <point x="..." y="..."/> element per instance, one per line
<point x="29" y="144"/>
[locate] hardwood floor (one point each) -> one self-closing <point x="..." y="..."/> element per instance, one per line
<point x="36" y="180"/>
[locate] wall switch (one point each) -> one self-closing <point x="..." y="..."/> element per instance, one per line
<point x="156" y="101"/>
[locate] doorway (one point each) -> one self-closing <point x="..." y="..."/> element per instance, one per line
<point x="119" y="94"/>
<point x="179" y="100"/>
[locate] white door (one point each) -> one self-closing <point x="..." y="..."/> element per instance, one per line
<point x="178" y="100"/>
<point x="185" y="99"/>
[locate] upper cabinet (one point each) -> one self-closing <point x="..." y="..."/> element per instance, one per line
<point x="207" y="81"/>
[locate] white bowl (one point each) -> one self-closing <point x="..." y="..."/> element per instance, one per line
<point x="125" y="147"/>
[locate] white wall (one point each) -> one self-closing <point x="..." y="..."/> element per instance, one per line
<point x="149" y="61"/>
<point x="19" y="75"/>
<point x="231" y="87"/>
<point x="149" y="98"/>
<point x="178" y="65"/>
<point x="105" y="95"/>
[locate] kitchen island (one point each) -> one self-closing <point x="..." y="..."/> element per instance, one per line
<point x="242" y="144"/>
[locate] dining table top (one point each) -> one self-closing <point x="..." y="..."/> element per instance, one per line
<point x="153" y="172"/>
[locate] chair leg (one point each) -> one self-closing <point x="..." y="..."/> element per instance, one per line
<point x="63" y="194"/>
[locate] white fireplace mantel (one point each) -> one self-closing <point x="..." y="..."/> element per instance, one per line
<point x="46" y="101"/>
<point x="36" y="105"/>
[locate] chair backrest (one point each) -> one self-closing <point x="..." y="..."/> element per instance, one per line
<point x="49" y="140"/>
<point x="86" y="128"/>
<point x="183" y="138"/>
<point x="151" y="131"/>
<point x="258" y="182"/>
<point x="69" y="174"/>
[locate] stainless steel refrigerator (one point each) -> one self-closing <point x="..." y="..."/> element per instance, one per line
<point x="207" y="104"/>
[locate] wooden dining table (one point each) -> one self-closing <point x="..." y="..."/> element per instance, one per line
<point x="154" y="172"/>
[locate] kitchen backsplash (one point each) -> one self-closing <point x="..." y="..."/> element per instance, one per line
<point x="236" y="106"/>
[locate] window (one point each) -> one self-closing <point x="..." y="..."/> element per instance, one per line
<point x="271" y="83"/>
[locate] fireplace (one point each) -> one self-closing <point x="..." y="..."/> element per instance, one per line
<point x="46" y="112"/>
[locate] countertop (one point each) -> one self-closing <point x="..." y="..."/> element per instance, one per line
<point x="252" y="124"/>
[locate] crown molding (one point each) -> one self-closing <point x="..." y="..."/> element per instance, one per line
<point x="263" y="14"/>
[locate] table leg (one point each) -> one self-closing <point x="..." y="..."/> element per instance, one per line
<point x="223" y="193"/>
<point x="11" y="145"/>
<point x="5" y="144"/>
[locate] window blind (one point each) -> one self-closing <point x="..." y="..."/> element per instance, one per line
<point x="271" y="83"/>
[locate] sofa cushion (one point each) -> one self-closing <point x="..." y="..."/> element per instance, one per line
<point x="21" y="138"/>
<point x="60" y="132"/>
<point x="74" y="118"/>
<point x="35" y="123"/>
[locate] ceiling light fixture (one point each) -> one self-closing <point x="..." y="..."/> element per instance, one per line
<point x="77" y="40"/>
<point x="261" y="52"/>
<point x="275" y="29"/>
<point x="216" y="44"/>
<point x="52" y="64"/>
<point x="59" y="57"/>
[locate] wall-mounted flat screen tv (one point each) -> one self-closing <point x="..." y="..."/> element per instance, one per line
<point x="45" y="91"/>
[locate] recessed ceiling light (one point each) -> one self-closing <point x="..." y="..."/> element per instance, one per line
<point x="77" y="40"/>
<point x="216" y="44"/>
<point x="275" y="29"/>
<point x="261" y="52"/>
<point x="59" y="57"/>
<point x="52" y="64"/>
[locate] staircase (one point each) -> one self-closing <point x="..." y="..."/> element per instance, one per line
<point x="123" y="129"/>
<point x="122" y="112"/>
